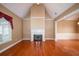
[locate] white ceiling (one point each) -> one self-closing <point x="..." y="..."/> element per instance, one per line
<point x="53" y="9"/>
<point x="20" y="9"/>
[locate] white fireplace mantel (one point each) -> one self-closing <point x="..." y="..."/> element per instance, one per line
<point x="36" y="32"/>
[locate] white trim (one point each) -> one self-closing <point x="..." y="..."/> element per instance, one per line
<point x="10" y="46"/>
<point x="31" y="29"/>
<point x="44" y="30"/>
<point x="25" y="19"/>
<point x="49" y="19"/>
<point x="49" y="38"/>
<point x="38" y="17"/>
<point x="45" y="38"/>
<point x="55" y="29"/>
<point x="66" y="36"/>
<point x="26" y="38"/>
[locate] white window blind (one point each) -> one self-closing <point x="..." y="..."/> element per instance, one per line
<point x="5" y="31"/>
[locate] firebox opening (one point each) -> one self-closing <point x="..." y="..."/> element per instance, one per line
<point x="37" y="37"/>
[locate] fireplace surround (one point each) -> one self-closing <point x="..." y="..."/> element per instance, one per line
<point x="37" y="35"/>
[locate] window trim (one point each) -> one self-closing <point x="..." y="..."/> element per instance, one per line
<point x="10" y="32"/>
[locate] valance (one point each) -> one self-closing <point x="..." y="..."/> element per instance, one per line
<point x="8" y="18"/>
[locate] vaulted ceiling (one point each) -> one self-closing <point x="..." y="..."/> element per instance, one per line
<point x="22" y="9"/>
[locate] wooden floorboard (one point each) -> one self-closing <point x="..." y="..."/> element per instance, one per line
<point x="47" y="48"/>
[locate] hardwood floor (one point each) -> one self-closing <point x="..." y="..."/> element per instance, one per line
<point x="70" y="46"/>
<point x="47" y="48"/>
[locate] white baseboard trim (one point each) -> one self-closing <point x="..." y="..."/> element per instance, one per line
<point x="49" y="38"/>
<point x="45" y="39"/>
<point x="26" y="38"/>
<point x="66" y="36"/>
<point x="10" y="46"/>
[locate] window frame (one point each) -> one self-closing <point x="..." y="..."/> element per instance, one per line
<point x="10" y="31"/>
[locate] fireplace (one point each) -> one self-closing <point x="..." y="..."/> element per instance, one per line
<point x="37" y="37"/>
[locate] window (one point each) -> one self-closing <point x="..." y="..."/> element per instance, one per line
<point x="5" y="31"/>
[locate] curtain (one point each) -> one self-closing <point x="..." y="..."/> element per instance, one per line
<point x="8" y="18"/>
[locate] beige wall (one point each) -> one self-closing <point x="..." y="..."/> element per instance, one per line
<point x="38" y="14"/>
<point x="38" y="10"/>
<point x="67" y="26"/>
<point x="27" y="29"/>
<point x="67" y="30"/>
<point x="49" y="29"/>
<point x="17" y="30"/>
<point x="37" y="23"/>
